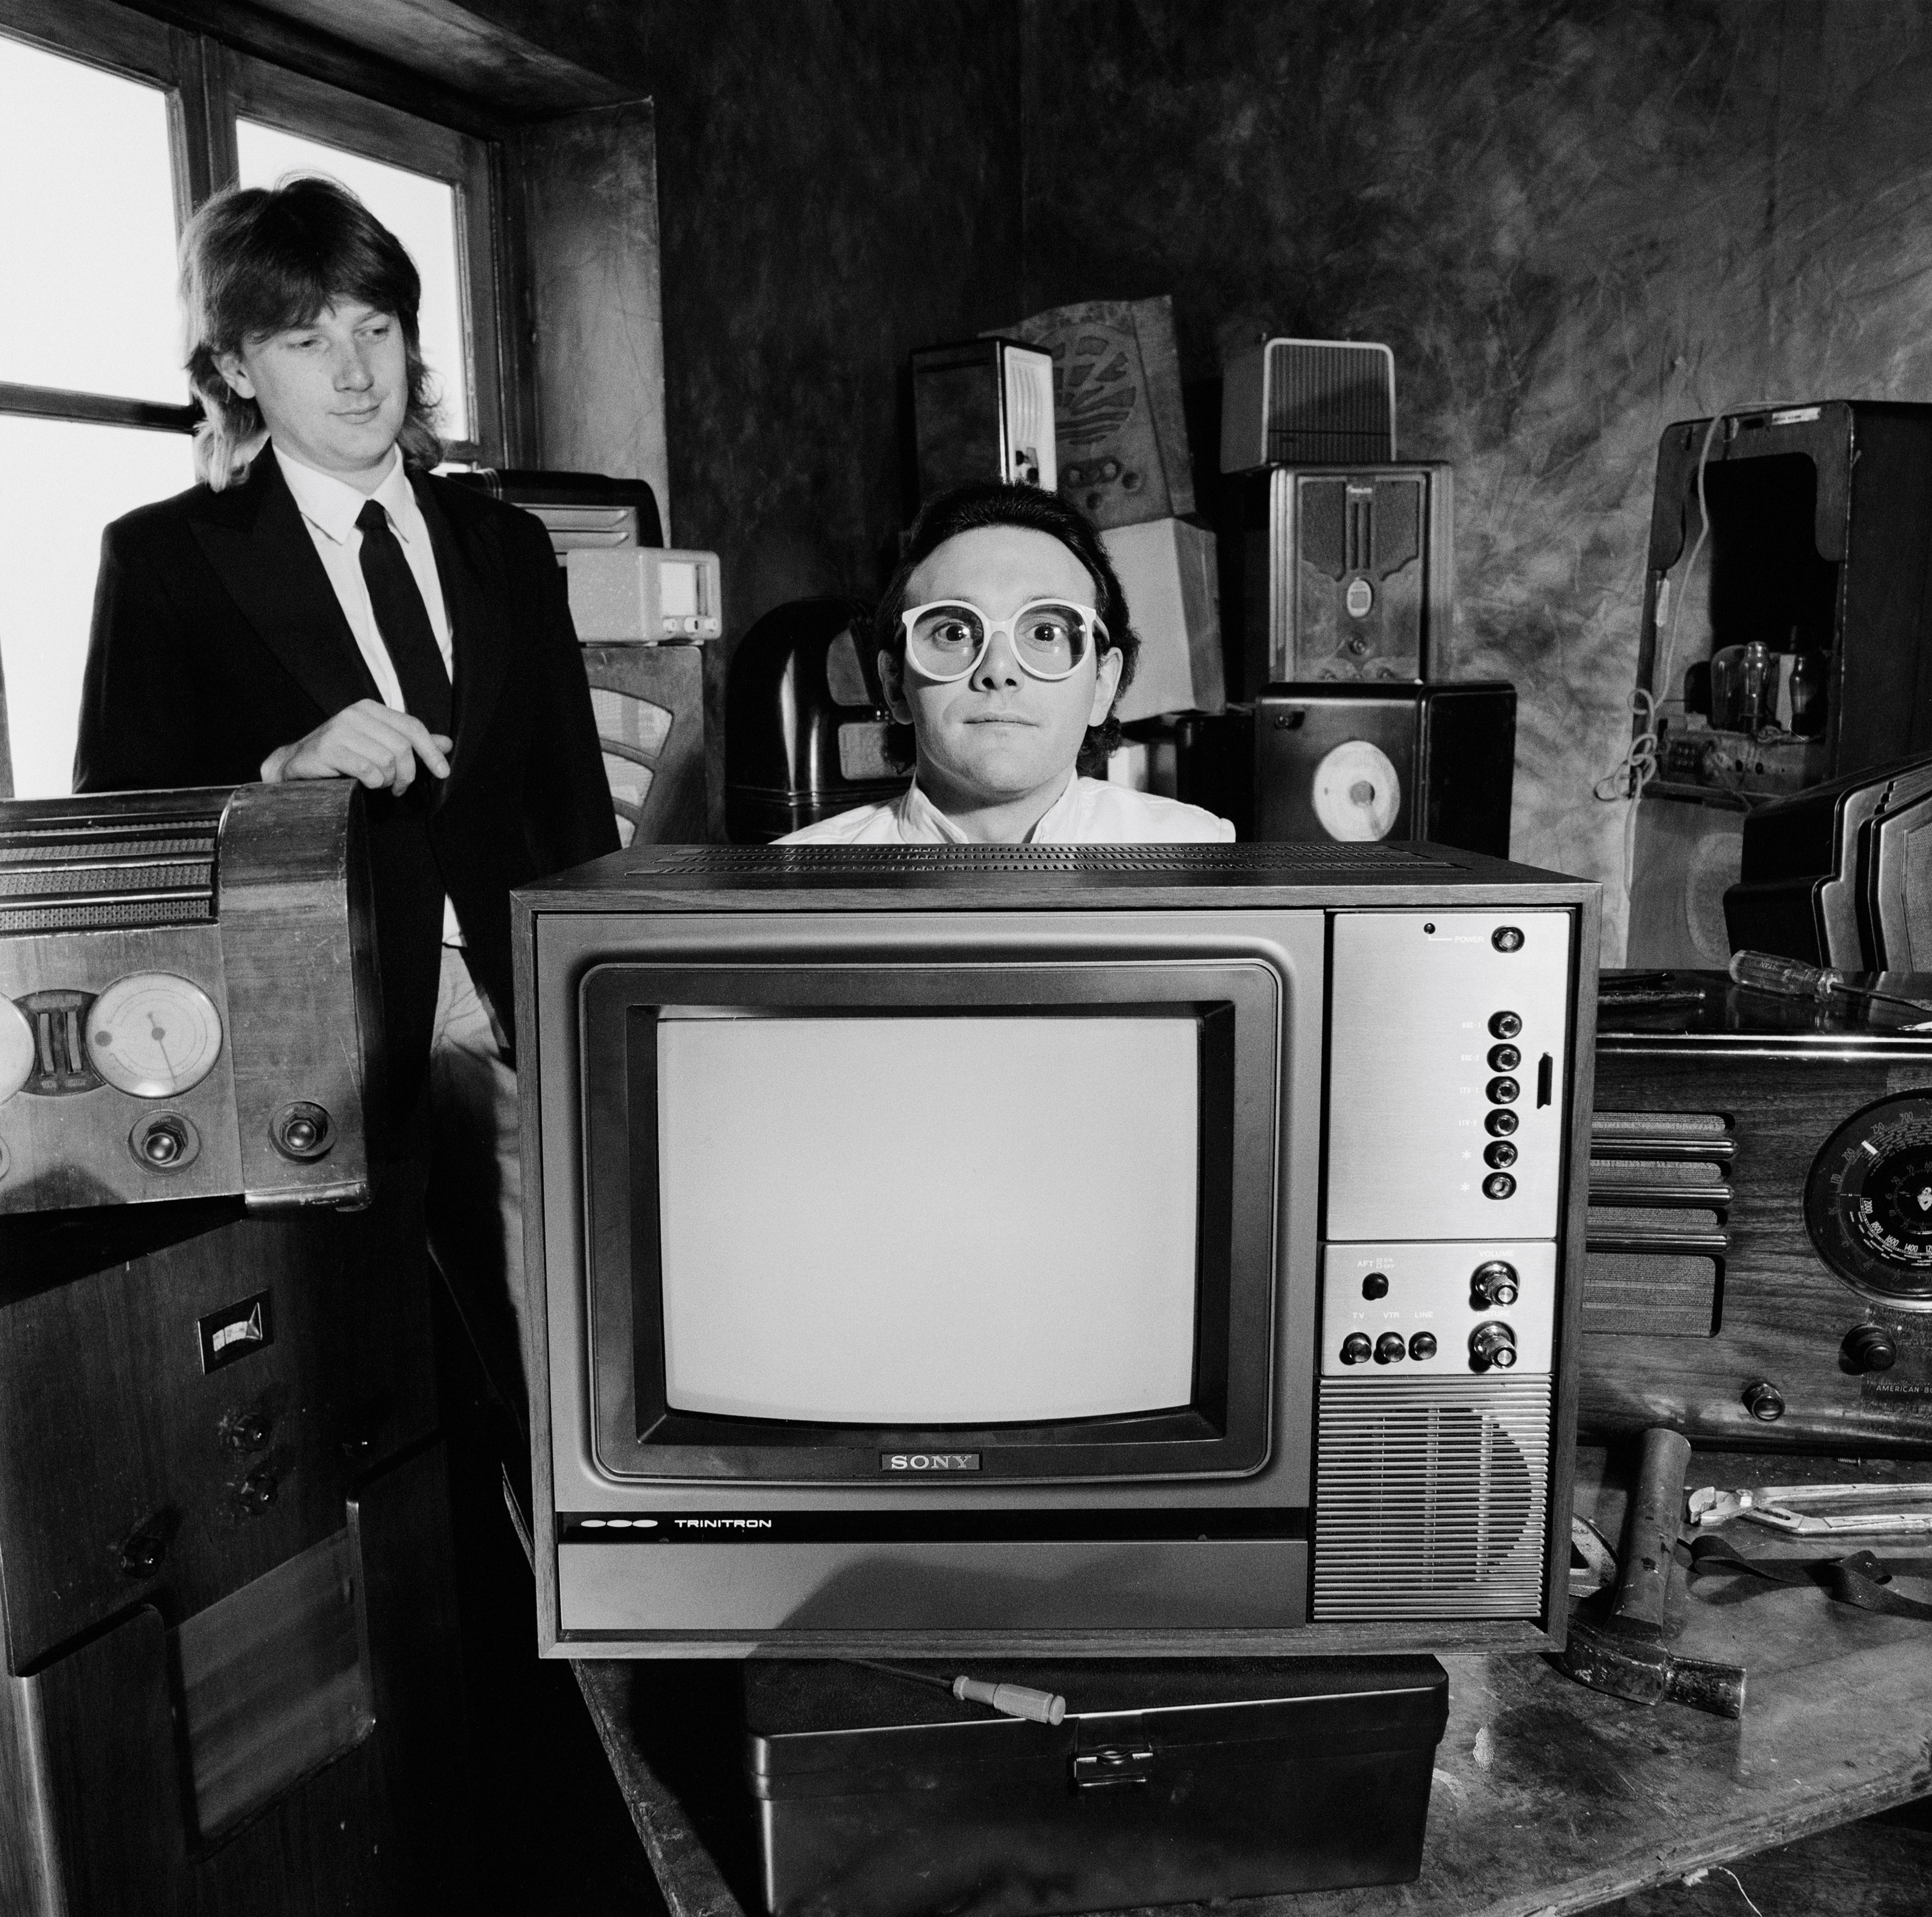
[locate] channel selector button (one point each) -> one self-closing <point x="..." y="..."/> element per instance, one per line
<point x="1505" y="1025"/>
<point x="1503" y="1091"/>
<point x="1356" y="1349"/>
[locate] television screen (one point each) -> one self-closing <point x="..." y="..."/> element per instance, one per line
<point x="971" y="1220"/>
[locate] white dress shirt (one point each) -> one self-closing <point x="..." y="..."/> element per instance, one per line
<point x="329" y="507"/>
<point x="1089" y="811"/>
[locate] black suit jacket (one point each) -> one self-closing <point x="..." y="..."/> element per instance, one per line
<point x="217" y="637"/>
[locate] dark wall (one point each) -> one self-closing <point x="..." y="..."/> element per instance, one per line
<point x="839" y="182"/>
<point x="1573" y="223"/>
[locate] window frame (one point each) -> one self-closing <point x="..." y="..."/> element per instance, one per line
<point x="207" y="84"/>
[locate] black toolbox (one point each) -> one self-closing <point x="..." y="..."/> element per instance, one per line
<point x="1168" y="1782"/>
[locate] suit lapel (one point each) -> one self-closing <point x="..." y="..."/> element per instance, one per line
<point x="254" y="538"/>
<point x="474" y="592"/>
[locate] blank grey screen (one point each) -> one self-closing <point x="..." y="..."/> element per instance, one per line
<point x="917" y="1221"/>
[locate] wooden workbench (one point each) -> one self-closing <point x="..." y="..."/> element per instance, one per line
<point x="1550" y="1799"/>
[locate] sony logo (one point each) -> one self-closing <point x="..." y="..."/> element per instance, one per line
<point x="928" y="1460"/>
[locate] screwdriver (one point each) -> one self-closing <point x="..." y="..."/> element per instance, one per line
<point x="1792" y="978"/>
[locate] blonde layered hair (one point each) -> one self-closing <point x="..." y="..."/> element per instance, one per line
<point x="256" y="260"/>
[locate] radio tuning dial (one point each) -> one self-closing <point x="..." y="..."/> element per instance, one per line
<point x="1492" y="1346"/>
<point x="16" y="1049"/>
<point x="153" y="1035"/>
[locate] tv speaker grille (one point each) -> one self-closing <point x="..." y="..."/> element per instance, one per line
<point x="775" y="861"/>
<point x="1431" y="1496"/>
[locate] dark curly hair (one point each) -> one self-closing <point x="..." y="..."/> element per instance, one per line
<point x="970" y="509"/>
<point x="256" y="260"/>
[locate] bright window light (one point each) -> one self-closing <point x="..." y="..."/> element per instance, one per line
<point x="420" y="211"/>
<point x="60" y="484"/>
<point x="87" y="230"/>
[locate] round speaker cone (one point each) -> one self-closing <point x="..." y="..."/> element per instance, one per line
<point x="1356" y="792"/>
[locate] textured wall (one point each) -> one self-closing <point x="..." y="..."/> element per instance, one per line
<point x="1573" y="223"/>
<point x="839" y="182"/>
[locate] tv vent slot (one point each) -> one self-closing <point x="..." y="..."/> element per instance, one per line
<point x="1431" y="1497"/>
<point x="1205" y="861"/>
<point x="1650" y="1294"/>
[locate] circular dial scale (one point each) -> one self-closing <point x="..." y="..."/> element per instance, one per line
<point x="16" y="1049"/>
<point x="153" y="1035"/>
<point x="1868" y="1202"/>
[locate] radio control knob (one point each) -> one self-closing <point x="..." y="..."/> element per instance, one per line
<point x="1494" y="1283"/>
<point x="1356" y="1349"/>
<point x="1390" y="1348"/>
<point x="1870" y="1347"/>
<point x="302" y="1131"/>
<point x="1764" y="1401"/>
<point x="1422" y="1346"/>
<point x="165" y="1142"/>
<point x="1376" y="1284"/>
<point x="1492" y="1346"/>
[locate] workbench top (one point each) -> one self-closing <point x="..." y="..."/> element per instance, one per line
<point x="1549" y="1798"/>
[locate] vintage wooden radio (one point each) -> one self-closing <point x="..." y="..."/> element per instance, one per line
<point x="153" y="949"/>
<point x="1758" y="1268"/>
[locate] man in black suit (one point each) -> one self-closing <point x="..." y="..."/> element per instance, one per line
<point x="322" y="607"/>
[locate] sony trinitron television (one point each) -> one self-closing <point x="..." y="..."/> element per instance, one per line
<point x="1142" y="1249"/>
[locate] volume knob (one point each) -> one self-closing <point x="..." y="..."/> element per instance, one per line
<point x="1494" y="1283"/>
<point x="1764" y="1401"/>
<point x="1870" y="1347"/>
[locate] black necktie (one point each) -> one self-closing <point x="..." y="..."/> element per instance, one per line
<point x="403" y="621"/>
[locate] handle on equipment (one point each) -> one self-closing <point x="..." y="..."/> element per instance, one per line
<point x="1650" y="1535"/>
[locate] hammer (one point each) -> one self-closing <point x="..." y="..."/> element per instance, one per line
<point x="1620" y="1648"/>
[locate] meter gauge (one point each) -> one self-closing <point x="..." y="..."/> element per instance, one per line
<point x="17" y="1049"/>
<point x="153" y="1035"/>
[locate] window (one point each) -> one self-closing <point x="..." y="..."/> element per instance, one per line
<point x="113" y="128"/>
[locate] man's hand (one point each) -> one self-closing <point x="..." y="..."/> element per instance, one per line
<point x="369" y="741"/>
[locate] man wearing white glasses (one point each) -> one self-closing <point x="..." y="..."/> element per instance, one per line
<point x="1003" y="643"/>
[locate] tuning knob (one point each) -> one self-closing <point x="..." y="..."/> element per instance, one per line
<point x="1492" y="1346"/>
<point x="302" y="1131"/>
<point x="1764" y="1401"/>
<point x="1493" y="1284"/>
<point x="1870" y="1347"/>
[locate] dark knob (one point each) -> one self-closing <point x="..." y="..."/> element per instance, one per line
<point x="1870" y="1347"/>
<point x="1498" y="1185"/>
<point x="258" y="1489"/>
<point x="1356" y="1349"/>
<point x="248" y="1431"/>
<point x="1504" y="1058"/>
<point x="1391" y="1347"/>
<point x="1500" y="1124"/>
<point x="301" y="1130"/>
<point x="141" y="1556"/>
<point x="356" y="1449"/>
<point x="1504" y="1025"/>
<point x="1499" y="1154"/>
<point x="1376" y="1284"/>
<point x="165" y="1142"/>
<point x="1503" y="1091"/>
<point x="1492" y="1346"/>
<point x="1423" y="1345"/>
<point x="1507" y="938"/>
<point x="1494" y="1283"/>
<point x="1765" y="1401"/>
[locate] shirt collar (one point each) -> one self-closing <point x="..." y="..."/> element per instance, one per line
<point x="331" y="505"/>
<point x="919" y="818"/>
